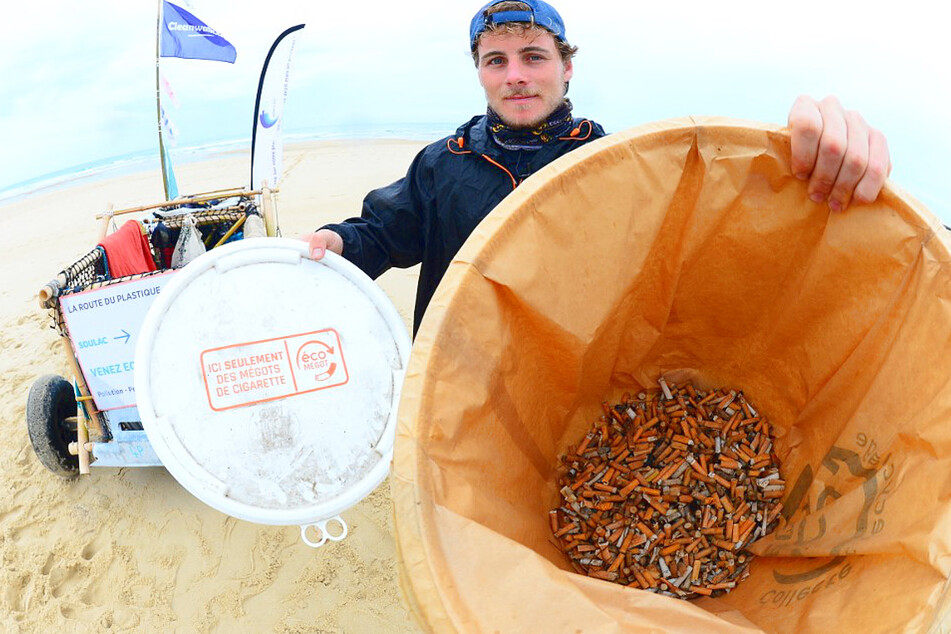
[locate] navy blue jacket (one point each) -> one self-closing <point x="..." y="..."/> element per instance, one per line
<point x="452" y="184"/>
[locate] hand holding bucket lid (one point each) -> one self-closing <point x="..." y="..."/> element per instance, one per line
<point x="268" y="383"/>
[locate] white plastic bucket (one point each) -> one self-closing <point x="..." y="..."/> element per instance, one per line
<point x="268" y="383"/>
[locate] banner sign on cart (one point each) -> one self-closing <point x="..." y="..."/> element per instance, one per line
<point x="103" y="325"/>
<point x="256" y="371"/>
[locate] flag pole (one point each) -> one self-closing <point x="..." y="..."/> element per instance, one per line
<point x="158" y="99"/>
<point x="163" y="153"/>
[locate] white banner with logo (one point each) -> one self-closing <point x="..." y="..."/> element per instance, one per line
<point x="268" y="142"/>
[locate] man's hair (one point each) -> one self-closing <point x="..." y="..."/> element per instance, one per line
<point x="566" y="50"/>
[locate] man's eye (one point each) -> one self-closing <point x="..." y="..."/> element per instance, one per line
<point x="495" y="61"/>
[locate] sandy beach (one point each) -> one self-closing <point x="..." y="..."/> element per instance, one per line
<point x="129" y="549"/>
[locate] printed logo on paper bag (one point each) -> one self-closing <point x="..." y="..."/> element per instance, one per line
<point x="866" y="473"/>
<point x="246" y="373"/>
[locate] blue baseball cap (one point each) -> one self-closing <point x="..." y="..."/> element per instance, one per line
<point x="540" y="13"/>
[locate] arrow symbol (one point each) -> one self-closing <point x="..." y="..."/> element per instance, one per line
<point x="125" y="335"/>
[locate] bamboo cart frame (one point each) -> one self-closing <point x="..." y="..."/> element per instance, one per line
<point x="222" y="213"/>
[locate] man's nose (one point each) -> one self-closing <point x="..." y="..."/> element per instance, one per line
<point x="516" y="73"/>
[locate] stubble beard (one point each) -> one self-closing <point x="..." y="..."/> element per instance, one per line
<point x="534" y="122"/>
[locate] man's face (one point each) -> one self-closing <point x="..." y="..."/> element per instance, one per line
<point x="523" y="76"/>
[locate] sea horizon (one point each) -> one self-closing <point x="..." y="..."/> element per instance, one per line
<point x="148" y="159"/>
<point x="910" y="181"/>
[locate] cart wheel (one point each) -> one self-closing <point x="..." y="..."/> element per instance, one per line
<point x="50" y="403"/>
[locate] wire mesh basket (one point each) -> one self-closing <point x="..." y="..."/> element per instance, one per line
<point x="218" y="221"/>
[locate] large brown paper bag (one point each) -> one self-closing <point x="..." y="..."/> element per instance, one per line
<point x="684" y="249"/>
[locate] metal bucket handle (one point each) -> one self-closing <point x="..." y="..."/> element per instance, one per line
<point x="321" y="528"/>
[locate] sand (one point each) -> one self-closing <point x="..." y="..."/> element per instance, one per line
<point x="129" y="549"/>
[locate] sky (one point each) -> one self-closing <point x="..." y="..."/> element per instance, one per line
<point x="78" y="79"/>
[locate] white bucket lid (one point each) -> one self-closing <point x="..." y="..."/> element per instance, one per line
<point x="268" y="383"/>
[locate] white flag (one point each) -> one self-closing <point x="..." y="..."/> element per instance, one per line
<point x="267" y="144"/>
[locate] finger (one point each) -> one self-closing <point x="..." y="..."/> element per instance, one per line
<point x="805" y="126"/>
<point x="832" y="146"/>
<point x="879" y="167"/>
<point x="316" y="244"/>
<point x="854" y="162"/>
<point x="318" y="247"/>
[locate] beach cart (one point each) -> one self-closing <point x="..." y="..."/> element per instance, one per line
<point x="97" y="305"/>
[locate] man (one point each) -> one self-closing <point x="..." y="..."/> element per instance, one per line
<point x="524" y="65"/>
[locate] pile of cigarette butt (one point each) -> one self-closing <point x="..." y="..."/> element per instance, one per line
<point x="667" y="491"/>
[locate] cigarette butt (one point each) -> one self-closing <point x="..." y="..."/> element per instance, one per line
<point x="566" y="529"/>
<point x="729" y="463"/>
<point x="651" y="579"/>
<point x="641" y="580"/>
<point x="627" y="541"/>
<point x="553" y="520"/>
<point x="626" y="491"/>
<point x="584" y="443"/>
<point x="617" y="563"/>
<point x="722" y="543"/>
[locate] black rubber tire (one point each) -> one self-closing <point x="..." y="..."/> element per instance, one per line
<point x="50" y="402"/>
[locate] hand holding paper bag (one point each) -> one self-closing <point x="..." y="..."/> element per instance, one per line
<point x="711" y="264"/>
<point x="840" y="155"/>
